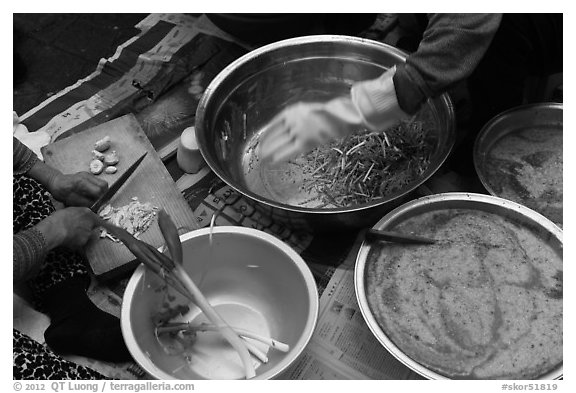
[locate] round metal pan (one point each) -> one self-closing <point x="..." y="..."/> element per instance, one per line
<point x="550" y="234"/>
<point x="251" y="278"/>
<point x="536" y="128"/>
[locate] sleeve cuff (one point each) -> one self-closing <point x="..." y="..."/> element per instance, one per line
<point x="29" y="164"/>
<point x="30" y="249"/>
<point x="376" y="101"/>
<point x="407" y="82"/>
<point x="23" y="158"/>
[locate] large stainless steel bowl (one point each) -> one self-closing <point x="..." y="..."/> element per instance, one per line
<point x="252" y="90"/>
<point x="549" y="232"/>
<point x="252" y="279"/>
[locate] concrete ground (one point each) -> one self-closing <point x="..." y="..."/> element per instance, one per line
<point x="54" y="51"/>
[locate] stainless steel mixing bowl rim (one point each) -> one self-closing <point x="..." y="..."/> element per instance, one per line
<point x="147" y="364"/>
<point x="225" y="73"/>
<point x="361" y="258"/>
<point x="487" y="130"/>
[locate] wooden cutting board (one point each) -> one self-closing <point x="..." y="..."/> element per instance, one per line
<point x="151" y="183"/>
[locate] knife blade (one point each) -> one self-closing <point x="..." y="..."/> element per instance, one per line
<point x="96" y="206"/>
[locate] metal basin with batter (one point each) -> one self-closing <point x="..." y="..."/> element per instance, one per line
<point x="252" y="90"/>
<point x="434" y="296"/>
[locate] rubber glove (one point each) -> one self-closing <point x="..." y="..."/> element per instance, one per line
<point x="305" y="126"/>
<point x="377" y="103"/>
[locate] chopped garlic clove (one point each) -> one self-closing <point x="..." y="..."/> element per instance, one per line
<point x="103" y="144"/>
<point x="96" y="167"/>
<point x="97" y="155"/>
<point x="111" y="158"/>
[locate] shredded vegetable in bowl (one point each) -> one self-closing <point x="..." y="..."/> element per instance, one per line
<point x="367" y="166"/>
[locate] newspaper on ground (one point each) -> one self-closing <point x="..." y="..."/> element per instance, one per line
<point x="342" y="346"/>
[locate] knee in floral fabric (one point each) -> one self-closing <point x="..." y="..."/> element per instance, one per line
<point x="31" y="203"/>
<point x="33" y="361"/>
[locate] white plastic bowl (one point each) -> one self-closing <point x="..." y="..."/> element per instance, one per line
<point x="252" y="279"/>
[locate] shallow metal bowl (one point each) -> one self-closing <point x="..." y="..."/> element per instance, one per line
<point x="252" y="90"/>
<point x="252" y="279"/>
<point x="550" y="233"/>
<point x="537" y="127"/>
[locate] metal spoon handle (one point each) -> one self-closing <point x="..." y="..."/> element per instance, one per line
<point x="377" y="234"/>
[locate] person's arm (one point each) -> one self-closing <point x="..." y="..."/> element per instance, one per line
<point x="78" y="189"/>
<point x="70" y="227"/>
<point x="26" y="162"/>
<point x="23" y="159"/>
<point x="451" y="48"/>
<point x="31" y="246"/>
<point x="29" y="250"/>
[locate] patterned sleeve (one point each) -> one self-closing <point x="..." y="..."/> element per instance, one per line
<point x="23" y="159"/>
<point x="29" y="247"/>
